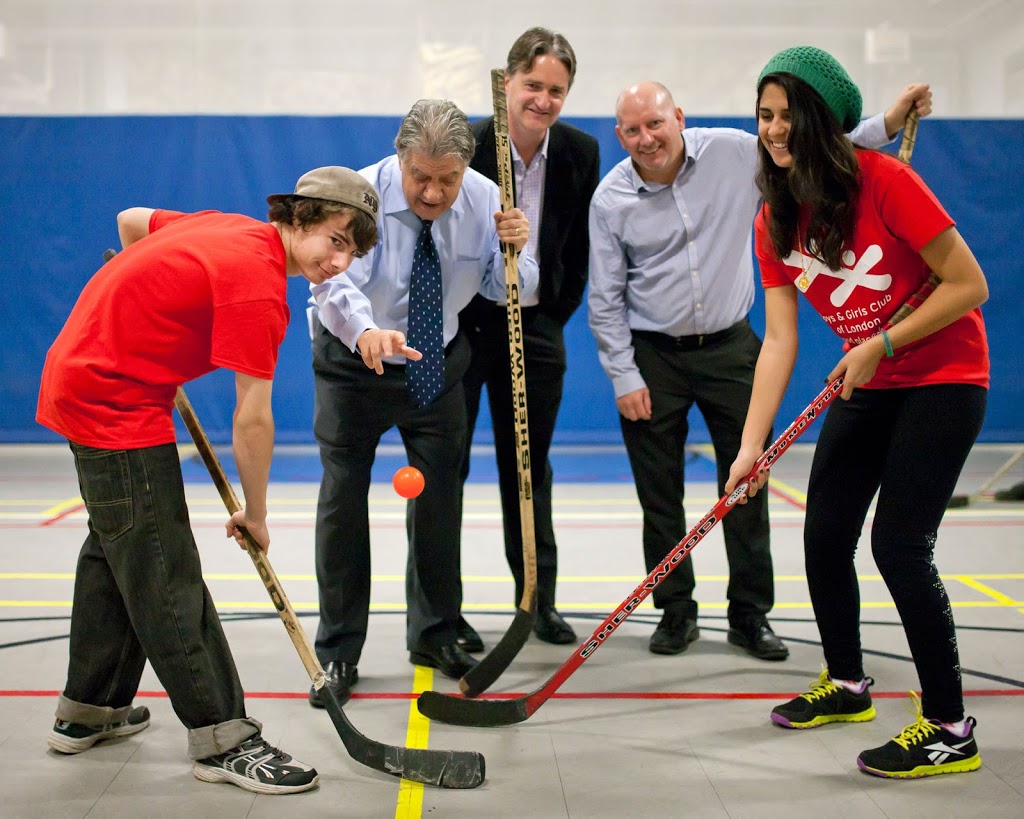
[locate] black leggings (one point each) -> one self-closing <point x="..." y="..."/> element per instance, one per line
<point x="909" y="445"/>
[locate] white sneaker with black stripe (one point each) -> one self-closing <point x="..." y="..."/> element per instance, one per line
<point x="74" y="737"/>
<point x="257" y="766"/>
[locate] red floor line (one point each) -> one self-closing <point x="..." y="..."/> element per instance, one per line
<point x="583" y="695"/>
<point x="78" y="507"/>
<point x="790" y="500"/>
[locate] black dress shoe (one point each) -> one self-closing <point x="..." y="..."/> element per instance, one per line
<point x="466" y="636"/>
<point x="340" y="677"/>
<point x="758" y="639"/>
<point x="552" y="628"/>
<point x="451" y="660"/>
<point x="674" y="633"/>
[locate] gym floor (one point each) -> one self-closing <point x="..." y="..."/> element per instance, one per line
<point x="629" y="734"/>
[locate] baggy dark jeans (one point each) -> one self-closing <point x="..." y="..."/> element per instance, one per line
<point x="139" y="593"/>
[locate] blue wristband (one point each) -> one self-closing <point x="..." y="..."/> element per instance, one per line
<point x="887" y="344"/>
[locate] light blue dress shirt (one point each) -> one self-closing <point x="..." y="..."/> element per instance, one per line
<point x="676" y="259"/>
<point x="374" y="292"/>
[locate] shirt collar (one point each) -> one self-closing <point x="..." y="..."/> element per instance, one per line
<point x="689" y="157"/>
<point x="542" y="152"/>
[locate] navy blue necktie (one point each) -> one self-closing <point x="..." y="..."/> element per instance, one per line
<point x="425" y="378"/>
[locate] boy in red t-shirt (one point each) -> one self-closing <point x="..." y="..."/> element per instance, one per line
<point x="858" y="232"/>
<point x="190" y="293"/>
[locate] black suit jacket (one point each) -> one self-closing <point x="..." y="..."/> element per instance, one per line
<point x="573" y="171"/>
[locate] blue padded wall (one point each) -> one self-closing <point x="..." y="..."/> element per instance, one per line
<point x="63" y="180"/>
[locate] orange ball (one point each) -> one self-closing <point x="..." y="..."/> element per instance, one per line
<point x="408" y="482"/>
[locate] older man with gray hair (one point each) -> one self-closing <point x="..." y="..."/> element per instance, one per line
<point x="440" y="226"/>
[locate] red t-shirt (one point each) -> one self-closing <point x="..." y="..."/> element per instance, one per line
<point x="897" y="215"/>
<point x="201" y="291"/>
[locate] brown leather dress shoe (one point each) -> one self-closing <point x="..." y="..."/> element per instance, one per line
<point x="340" y="677"/>
<point x="451" y="659"/>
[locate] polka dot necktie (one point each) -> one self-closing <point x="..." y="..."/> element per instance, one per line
<point x="425" y="378"/>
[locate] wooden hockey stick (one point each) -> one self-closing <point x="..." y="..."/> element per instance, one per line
<point x="446" y="769"/>
<point x="479" y="678"/>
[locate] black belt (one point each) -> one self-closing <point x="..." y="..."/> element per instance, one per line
<point x="662" y="341"/>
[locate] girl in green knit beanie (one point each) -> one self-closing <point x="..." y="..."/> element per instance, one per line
<point x="858" y="233"/>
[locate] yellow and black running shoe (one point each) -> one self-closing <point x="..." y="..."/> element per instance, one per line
<point x="923" y="748"/>
<point x="826" y="702"/>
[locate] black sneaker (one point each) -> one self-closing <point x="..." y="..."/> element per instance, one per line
<point x="923" y="748"/>
<point x="73" y="737"/>
<point x="674" y="633"/>
<point x="825" y="702"/>
<point x="257" y="766"/>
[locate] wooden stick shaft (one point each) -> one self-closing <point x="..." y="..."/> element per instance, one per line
<point x="263" y="567"/>
<point x="909" y="136"/>
<point x="517" y="359"/>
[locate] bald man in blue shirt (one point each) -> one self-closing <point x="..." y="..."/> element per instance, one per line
<point x="671" y="284"/>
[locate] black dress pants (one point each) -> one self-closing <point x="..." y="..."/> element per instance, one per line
<point x="486" y="326"/>
<point x="716" y="373"/>
<point x="354" y="408"/>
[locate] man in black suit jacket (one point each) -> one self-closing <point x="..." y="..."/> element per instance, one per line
<point x="556" y="169"/>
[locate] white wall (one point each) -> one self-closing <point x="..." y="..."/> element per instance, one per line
<point x="377" y="57"/>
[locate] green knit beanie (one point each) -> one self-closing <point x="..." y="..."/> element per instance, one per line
<point x="824" y="74"/>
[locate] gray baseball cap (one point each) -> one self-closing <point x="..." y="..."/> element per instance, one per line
<point x="335" y="184"/>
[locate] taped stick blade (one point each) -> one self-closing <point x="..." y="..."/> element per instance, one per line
<point x="471" y="713"/>
<point x="484" y="674"/>
<point x="444" y="769"/>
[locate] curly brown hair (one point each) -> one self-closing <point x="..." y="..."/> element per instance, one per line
<point x="304" y="212"/>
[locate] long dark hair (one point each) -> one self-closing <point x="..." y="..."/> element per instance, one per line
<point x="824" y="177"/>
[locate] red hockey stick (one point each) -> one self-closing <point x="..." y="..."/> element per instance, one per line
<point x="487" y="713"/>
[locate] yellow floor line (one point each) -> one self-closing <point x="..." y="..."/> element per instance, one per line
<point x="787" y="490"/>
<point x="247" y="605"/>
<point x="988" y="591"/>
<point x="410" y="794"/>
<point x="63" y="506"/>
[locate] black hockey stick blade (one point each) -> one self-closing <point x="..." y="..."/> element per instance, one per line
<point x="473" y="713"/>
<point x="445" y="769"/>
<point x="483" y="675"/>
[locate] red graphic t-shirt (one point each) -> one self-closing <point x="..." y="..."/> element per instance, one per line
<point x="201" y="291"/>
<point x="897" y="215"/>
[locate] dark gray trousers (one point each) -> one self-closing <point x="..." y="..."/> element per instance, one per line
<point x="544" y="354"/>
<point x="718" y="377"/>
<point x="354" y="408"/>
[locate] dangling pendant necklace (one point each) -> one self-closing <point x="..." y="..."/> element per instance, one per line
<point x="803" y="282"/>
